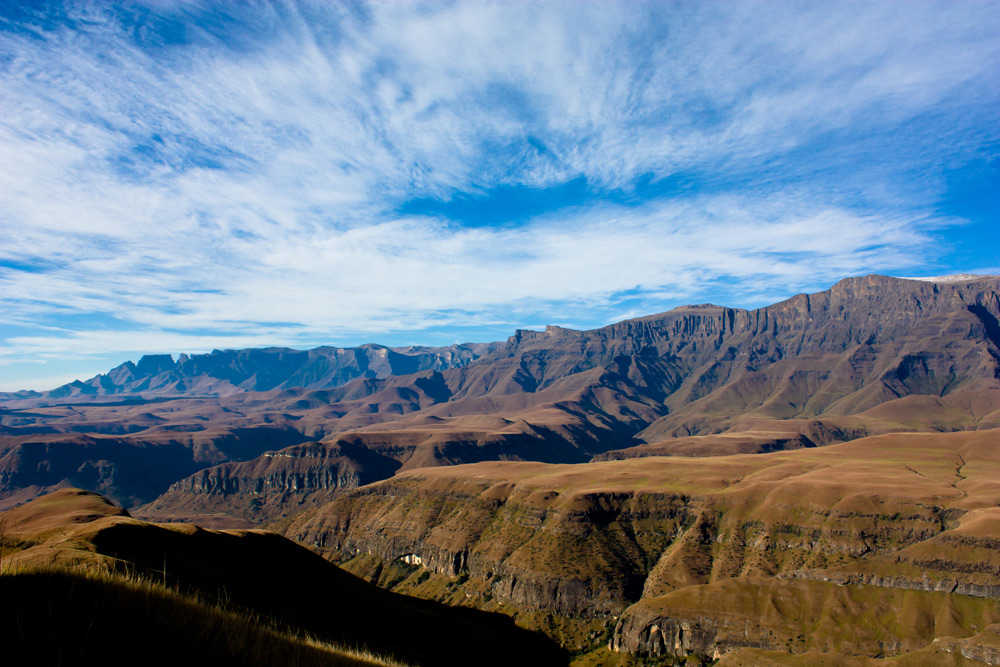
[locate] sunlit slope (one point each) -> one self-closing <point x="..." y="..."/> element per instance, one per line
<point x="877" y="516"/>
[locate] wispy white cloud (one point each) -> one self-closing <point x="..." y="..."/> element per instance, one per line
<point x="248" y="173"/>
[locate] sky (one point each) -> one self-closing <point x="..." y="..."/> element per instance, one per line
<point x="188" y="176"/>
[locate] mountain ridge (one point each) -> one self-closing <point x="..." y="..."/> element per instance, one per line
<point x="240" y="370"/>
<point x="811" y="367"/>
<point x="224" y="372"/>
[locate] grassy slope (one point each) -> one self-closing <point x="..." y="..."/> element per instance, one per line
<point x="262" y="574"/>
<point x="881" y="506"/>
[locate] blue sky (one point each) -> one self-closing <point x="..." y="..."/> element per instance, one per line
<point x="183" y="176"/>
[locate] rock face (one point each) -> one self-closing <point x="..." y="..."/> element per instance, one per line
<point x="810" y="371"/>
<point x="744" y="442"/>
<point x="983" y="647"/>
<point x="129" y="468"/>
<point x="706" y="556"/>
<point x="728" y="617"/>
<point x="274" y="484"/>
<point x="578" y="556"/>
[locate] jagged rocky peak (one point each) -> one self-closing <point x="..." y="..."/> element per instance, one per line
<point x="224" y="372"/>
<point x="151" y="364"/>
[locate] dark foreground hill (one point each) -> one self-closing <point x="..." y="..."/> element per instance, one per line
<point x="53" y="616"/>
<point x="870" y="355"/>
<point x="77" y="568"/>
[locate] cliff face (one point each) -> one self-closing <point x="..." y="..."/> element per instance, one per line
<point x="580" y="555"/>
<point x="910" y="336"/>
<point x="795" y="617"/>
<point x="129" y="468"/>
<point x="272" y="485"/>
<point x="278" y="483"/>
<point x="809" y="371"/>
<point x="688" y="553"/>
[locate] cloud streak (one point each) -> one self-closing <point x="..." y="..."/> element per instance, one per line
<point x="209" y="175"/>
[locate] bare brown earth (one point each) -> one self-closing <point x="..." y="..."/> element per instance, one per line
<point x="871" y="548"/>
<point x="257" y="572"/>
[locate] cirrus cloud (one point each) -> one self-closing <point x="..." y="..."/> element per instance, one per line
<point x="197" y="175"/>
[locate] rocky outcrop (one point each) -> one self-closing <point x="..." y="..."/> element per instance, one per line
<point x="983" y="647"/>
<point x="795" y="617"/>
<point x="274" y="484"/>
<point x="726" y="444"/>
<point x="927" y="584"/>
<point x="680" y="638"/>
<point x="963" y="559"/>
<point x="309" y="467"/>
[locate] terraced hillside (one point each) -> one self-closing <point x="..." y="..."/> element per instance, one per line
<point x="875" y="547"/>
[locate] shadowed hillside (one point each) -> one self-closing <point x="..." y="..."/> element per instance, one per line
<point x="72" y="617"/>
<point x="250" y="573"/>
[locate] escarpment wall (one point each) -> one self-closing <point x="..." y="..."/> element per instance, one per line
<point x="592" y="554"/>
<point x="704" y="556"/>
<point x="583" y="556"/>
<point x="274" y="484"/>
<point x="695" y="370"/>
<point x="310" y="467"/>
<point x="796" y="617"/>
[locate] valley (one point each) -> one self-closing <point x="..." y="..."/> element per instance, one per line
<point x="813" y="478"/>
<point x="701" y="556"/>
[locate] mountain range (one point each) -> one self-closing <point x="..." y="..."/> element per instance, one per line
<point x="870" y="355"/>
<point x="224" y="372"/>
<point x="704" y="483"/>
